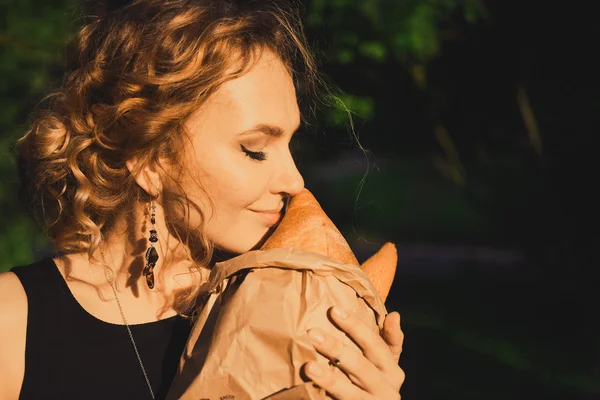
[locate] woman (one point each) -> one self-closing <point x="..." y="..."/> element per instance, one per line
<point x="166" y="147"/>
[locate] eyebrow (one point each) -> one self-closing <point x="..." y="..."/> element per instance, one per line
<point x="269" y="130"/>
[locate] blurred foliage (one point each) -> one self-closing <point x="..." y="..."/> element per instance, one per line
<point x="409" y="32"/>
<point x="33" y="35"/>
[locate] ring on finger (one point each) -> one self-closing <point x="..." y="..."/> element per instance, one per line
<point x="336" y="361"/>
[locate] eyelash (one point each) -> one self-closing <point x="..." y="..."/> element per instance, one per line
<point x="255" y="155"/>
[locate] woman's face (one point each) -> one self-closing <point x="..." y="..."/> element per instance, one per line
<point x="240" y="155"/>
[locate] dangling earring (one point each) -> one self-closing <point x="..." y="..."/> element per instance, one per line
<point x="151" y="253"/>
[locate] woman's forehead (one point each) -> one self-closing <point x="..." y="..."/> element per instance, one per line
<point x="264" y="95"/>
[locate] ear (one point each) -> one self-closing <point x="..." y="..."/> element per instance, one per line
<point x="146" y="177"/>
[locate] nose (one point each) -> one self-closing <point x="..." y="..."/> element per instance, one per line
<point x="288" y="179"/>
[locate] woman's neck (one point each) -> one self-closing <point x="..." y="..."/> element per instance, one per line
<point x="124" y="253"/>
<point x="88" y="280"/>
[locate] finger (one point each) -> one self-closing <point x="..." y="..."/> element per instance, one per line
<point x="392" y="334"/>
<point x="361" y="371"/>
<point x="373" y="346"/>
<point x="337" y="385"/>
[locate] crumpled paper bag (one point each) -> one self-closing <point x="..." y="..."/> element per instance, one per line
<point x="250" y="340"/>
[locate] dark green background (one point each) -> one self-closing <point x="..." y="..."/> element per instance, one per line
<point x="479" y="117"/>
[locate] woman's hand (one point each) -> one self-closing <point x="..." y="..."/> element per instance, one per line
<point x="374" y="374"/>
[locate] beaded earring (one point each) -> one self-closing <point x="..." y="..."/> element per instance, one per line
<point x="151" y="253"/>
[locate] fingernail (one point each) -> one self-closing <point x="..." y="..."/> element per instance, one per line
<point x="341" y="314"/>
<point x="315" y="335"/>
<point x="314" y="369"/>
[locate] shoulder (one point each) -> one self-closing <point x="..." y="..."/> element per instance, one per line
<point x="13" y="300"/>
<point x="13" y="332"/>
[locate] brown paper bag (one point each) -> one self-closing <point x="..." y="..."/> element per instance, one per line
<point x="250" y="339"/>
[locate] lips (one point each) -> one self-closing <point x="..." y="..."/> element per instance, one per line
<point x="271" y="217"/>
<point x="276" y="211"/>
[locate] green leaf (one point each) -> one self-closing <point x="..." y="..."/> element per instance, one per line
<point x="373" y="50"/>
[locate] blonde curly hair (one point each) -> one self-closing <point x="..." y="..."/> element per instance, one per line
<point x="139" y="72"/>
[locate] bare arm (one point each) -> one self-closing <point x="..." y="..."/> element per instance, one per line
<point x="13" y="330"/>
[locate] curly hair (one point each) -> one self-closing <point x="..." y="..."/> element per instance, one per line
<point x="139" y="72"/>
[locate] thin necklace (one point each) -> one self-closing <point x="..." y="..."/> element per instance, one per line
<point x="114" y="288"/>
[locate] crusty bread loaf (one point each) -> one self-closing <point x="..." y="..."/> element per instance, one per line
<point x="306" y="226"/>
<point x="381" y="268"/>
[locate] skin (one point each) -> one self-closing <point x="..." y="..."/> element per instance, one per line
<point x="247" y="187"/>
<point x="225" y="136"/>
<point x="375" y="374"/>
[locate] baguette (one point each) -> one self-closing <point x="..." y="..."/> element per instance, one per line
<point x="306" y="226"/>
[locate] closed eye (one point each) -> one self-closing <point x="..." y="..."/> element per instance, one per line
<point x="255" y="155"/>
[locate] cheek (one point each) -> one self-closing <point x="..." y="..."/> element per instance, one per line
<point x="233" y="227"/>
<point x="235" y="182"/>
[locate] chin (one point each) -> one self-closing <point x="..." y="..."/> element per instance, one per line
<point x="242" y="243"/>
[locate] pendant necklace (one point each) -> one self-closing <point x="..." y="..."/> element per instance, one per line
<point x="114" y="288"/>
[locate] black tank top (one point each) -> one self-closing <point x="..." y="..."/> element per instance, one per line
<point x="71" y="354"/>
